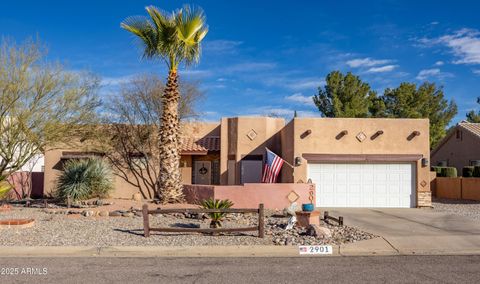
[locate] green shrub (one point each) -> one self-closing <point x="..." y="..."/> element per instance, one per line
<point x="216" y="204"/>
<point x="467" y="172"/>
<point x="476" y="171"/>
<point x="437" y="169"/>
<point x="448" y="172"/>
<point x="5" y="187"/>
<point x="83" y="179"/>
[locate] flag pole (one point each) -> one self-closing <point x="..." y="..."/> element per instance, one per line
<point x="288" y="164"/>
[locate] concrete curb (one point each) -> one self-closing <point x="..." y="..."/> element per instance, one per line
<point x="154" y="251"/>
<point x="373" y="247"/>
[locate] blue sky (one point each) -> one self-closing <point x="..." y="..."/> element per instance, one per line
<point x="264" y="57"/>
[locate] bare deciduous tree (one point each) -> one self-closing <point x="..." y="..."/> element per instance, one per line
<point x="131" y="138"/>
<point x="41" y="104"/>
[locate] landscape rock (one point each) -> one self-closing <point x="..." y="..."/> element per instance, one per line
<point x="88" y="213"/>
<point x="128" y="214"/>
<point x="137" y="197"/>
<point x="319" y="232"/>
<point x="115" y="214"/>
<point x="103" y="214"/>
<point x="290" y="210"/>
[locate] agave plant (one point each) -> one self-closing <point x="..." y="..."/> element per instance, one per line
<point x="216" y="204"/>
<point x="83" y="179"/>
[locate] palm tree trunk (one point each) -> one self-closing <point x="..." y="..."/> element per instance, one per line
<point x="170" y="185"/>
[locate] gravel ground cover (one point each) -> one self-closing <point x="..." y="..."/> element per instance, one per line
<point x="77" y="230"/>
<point x="467" y="208"/>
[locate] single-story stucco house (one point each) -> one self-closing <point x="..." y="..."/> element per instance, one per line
<point x="460" y="148"/>
<point x="353" y="162"/>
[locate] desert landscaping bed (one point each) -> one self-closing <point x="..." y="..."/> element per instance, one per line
<point x="55" y="228"/>
<point x="467" y="208"/>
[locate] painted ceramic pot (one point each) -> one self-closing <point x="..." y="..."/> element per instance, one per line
<point x="308" y="207"/>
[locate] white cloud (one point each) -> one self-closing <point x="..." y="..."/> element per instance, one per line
<point x="221" y="45"/>
<point x="293" y="82"/>
<point x="115" y="81"/>
<point x="282" y="112"/>
<point x="196" y="73"/>
<point x="476" y="71"/>
<point x="367" y="62"/>
<point x="250" y="66"/>
<point x="304" y="84"/>
<point x="432" y="73"/>
<point x="464" y="44"/>
<point x="439" y="63"/>
<point x="300" y="99"/>
<point x="381" y="69"/>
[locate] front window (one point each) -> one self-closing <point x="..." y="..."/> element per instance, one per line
<point x="138" y="160"/>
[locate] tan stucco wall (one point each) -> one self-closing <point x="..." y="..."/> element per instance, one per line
<point x="322" y="141"/>
<point x="288" y="152"/>
<point x="200" y="129"/>
<point x="124" y="189"/>
<point x="236" y="144"/>
<point x="186" y="169"/>
<point x="458" y="152"/>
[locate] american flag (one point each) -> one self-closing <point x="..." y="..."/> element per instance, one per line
<point x="273" y="165"/>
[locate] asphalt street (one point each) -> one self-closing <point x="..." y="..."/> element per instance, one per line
<point x="388" y="269"/>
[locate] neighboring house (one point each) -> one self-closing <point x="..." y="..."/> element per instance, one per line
<point x="28" y="181"/>
<point x="460" y="148"/>
<point x="354" y="162"/>
<point x="35" y="164"/>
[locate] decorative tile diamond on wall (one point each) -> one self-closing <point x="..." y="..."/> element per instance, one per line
<point x="361" y="136"/>
<point x="252" y="134"/>
<point x="293" y="196"/>
<point x="423" y="183"/>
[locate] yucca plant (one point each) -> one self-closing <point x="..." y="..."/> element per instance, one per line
<point x="216" y="204"/>
<point x="83" y="179"/>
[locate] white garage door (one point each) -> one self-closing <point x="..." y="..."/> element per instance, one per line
<point x="363" y="185"/>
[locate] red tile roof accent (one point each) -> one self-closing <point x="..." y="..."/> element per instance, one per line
<point x="199" y="146"/>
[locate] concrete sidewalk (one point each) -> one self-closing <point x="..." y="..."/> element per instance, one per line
<point x="378" y="246"/>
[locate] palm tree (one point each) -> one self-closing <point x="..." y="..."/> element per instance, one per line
<point x="175" y="38"/>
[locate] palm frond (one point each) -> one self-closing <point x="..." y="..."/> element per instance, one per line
<point x="192" y="28"/>
<point x="189" y="21"/>
<point x="175" y="37"/>
<point x="145" y="30"/>
<point x="159" y="17"/>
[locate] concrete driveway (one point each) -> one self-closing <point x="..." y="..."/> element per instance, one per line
<point x="416" y="230"/>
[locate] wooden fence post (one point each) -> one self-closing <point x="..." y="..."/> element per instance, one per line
<point x="261" y="221"/>
<point x="146" y="223"/>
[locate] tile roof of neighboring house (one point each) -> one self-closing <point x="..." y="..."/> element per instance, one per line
<point x="473" y="128"/>
<point x="199" y="146"/>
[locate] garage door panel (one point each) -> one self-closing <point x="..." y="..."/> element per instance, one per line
<point x="363" y="185"/>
